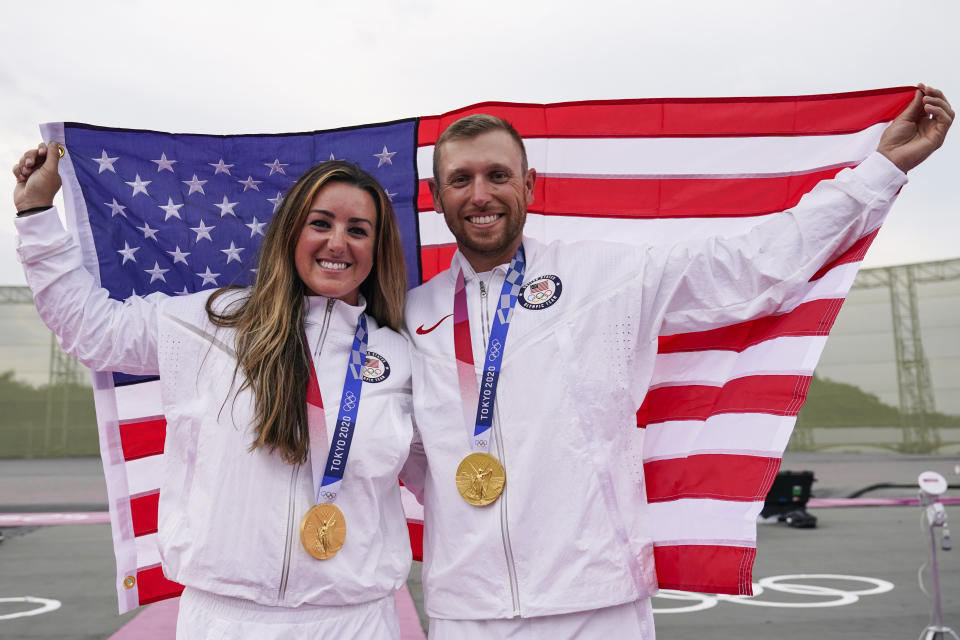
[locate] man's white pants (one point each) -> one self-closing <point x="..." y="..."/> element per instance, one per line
<point x="630" y="620"/>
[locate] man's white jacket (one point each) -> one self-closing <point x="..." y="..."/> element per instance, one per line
<point x="571" y="531"/>
<point x="229" y="518"/>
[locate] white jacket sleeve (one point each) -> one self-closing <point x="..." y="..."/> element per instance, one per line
<point x="725" y="280"/>
<point x="102" y="333"/>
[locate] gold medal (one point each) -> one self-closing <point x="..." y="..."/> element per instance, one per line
<point x="480" y="479"/>
<point x="323" y="530"/>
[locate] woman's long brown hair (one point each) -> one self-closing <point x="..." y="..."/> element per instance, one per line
<point x="272" y="353"/>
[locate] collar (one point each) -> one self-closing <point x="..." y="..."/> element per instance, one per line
<point x="532" y="248"/>
<point x="342" y="314"/>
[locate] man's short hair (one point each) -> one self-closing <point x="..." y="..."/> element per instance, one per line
<point x="472" y="126"/>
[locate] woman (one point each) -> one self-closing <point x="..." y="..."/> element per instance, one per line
<point x="253" y="517"/>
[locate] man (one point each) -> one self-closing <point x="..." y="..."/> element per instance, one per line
<point x="535" y="511"/>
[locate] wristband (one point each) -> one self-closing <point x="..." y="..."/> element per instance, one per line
<point x="33" y="210"/>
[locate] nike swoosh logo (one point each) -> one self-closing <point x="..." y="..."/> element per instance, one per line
<point x="422" y="332"/>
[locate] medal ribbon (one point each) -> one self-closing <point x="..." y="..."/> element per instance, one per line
<point x="486" y="392"/>
<point x="326" y="484"/>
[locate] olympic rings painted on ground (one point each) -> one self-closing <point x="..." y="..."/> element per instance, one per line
<point x="46" y="606"/>
<point x="838" y="597"/>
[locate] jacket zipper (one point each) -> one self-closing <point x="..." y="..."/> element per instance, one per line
<point x="292" y="501"/>
<point x="504" y="531"/>
<point x="291" y="508"/>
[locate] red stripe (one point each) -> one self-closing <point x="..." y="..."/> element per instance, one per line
<point x="152" y="586"/>
<point x="143" y="513"/>
<point x="705" y="568"/>
<point x="143" y="438"/>
<point x="780" y="395"/>
<point x="660" y="117"/>
<point x="716" y="476"/>
<point x="435" y="259"/>
<point x="663" y="198"/>
<point x="416" y="539"/>
<point x="853" y="254"/>
<point x="812" y="318"/>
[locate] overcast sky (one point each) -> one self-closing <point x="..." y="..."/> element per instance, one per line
<point x="272" y="67"/>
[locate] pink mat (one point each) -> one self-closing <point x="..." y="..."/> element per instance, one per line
<point x="158" y="621"/>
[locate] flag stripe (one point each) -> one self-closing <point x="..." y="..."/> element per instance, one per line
<point x="778" y="395"/>
<point x="759" y="434"/>
<point x="779" y="356"/>
<point x="763" y="116"/>
<point x="717" y="157"/>
<point x="143" y="513"/>
<point x="152" y="586"/>
<point x="724" y="522"/>
<point x="143" y="438"/>
<point x="705" y="568"/>
<point x="812" y="318"/>
<point x="708" y="476"/>
<point x="662" y="198"/>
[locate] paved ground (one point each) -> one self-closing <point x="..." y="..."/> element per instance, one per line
<point x="74" y="563"/>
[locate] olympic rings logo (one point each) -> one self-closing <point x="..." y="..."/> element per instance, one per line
<point x="371" y="372"/>
<point x="328" y="495"/>
<point x="349" y="401"/>
<point x="827" y="596"/>
<point x="495" y="347"/>
<point x="539" y="296"/>
<point x="481" y="443"/>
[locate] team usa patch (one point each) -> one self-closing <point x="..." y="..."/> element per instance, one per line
<point x="541" y="292"/>
<point x="375" y="368"/>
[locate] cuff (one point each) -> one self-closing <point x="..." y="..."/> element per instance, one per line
<point x="881" y="176"/>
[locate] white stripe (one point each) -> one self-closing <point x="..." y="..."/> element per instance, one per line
<point x="715" y="521"/>
<point x="757" y="434"/>
<point x="790" y="355"/>
<point x="143" y="474"/>
<point x="141" y="400"/>
<point x="689" y="157"/>
<point x="412" y="508"/>
<point x="637" y="231"/>
<point x="148" y="551"/>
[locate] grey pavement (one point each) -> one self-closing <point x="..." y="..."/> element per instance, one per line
<point x="74" y="563"/>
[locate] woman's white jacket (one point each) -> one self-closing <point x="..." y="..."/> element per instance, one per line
<point x="229" y="518"/>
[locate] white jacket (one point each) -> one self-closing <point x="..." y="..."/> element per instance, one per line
<point x="229" y="518"/>
<point x="570" y="531"/>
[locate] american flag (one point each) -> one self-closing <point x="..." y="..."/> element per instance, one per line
<point x="178" y="213"/>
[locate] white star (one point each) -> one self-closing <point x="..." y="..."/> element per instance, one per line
<point x="208" y="278"/>
<point x="226" y="207"/>
<point x="139" y="186"/>
<point x="276" y="167"/>
<point x="195" y="185"/>
<point x="233" y="253"/>
<point x="276" y="201"/>
<point x="179" y="256"/>
<point x="331" y="156"/>
<point x="384" y="157"/>
<point x="105" y="162"/>
<point x="203" y="231"/>
<point x="148" y="232"/>
<point x="127" y="252"/>
<point x="115" y="208"/>
<point x="256" y="228"/>
<point x="156" y="273"/>
<point x="250" y="183"/>
<point x="389" y="194"/>
<point x="183" y="292"/>
<point x="220" y="167"/>
<point x="163" y="164"/>
<point x="172" y="210"/>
